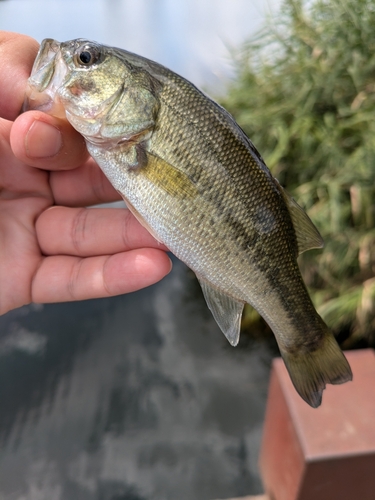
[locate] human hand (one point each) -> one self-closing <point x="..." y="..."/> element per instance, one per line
<point x="52" y="248"/>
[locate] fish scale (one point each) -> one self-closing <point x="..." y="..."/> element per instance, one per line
<point x="191" y="176"/>
<point x="218" y="188"/>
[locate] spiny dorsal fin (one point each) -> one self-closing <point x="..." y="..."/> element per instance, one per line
<point x="307" y="235"/>
<point x="226" y="311"/>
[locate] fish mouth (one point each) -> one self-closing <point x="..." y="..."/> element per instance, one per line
<point x="43" y="68"/>
<point x="47" y="74"/>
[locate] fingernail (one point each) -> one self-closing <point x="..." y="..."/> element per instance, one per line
<point x="170" y="265"/>
<point x="42" y="140"/>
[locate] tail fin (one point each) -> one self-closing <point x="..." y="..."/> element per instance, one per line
<point x="310" y="371"/>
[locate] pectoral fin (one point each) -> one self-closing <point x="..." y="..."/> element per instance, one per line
<point x="307" y="235"/>
<point x="226" y="311"/>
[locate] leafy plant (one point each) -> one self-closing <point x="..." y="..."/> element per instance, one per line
<point x="304" y="93"/>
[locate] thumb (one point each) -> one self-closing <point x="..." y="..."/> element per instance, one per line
<point x="47" y="142"/>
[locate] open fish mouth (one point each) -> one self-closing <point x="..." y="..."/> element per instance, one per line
<point x="47" y="75"/>
<point x="44" y="64"/>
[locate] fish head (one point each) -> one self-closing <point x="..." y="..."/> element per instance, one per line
<point x="101" y="94"/>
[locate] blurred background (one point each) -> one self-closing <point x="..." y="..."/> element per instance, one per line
<point x="192" y="37"/>
<point x="141" y="397"/>
<point x="138" y="397"/>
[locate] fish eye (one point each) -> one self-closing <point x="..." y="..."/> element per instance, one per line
<point x="87" y="55"/>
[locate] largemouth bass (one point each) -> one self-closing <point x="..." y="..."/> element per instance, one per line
<point x="192" y="177"/>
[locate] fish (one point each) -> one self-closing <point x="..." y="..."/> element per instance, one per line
<point x="192" y="177"/>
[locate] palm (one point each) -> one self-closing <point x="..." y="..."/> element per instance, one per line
<point x="52" y="248"/>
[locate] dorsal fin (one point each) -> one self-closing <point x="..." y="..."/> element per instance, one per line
<point x="307" y="235"/>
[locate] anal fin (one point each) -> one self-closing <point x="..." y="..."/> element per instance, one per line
<point x="226" y="311"/>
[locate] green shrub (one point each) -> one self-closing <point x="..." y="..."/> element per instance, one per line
<point x="304" y="93"/>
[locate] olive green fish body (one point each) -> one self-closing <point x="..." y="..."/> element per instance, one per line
<point x="193" y="178"/>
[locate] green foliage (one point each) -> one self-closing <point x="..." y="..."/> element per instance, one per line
<point x="305" y="94"/>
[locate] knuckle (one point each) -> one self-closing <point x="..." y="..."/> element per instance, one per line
<point x="126" y="233"/>
<point x="106" y="285"/>
<point x="73" y="281"/>
<point x="78" y="229"/>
